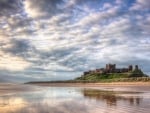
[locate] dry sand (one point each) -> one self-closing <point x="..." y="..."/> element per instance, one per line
<point x="93" y="84"/>
<point x="115" y="86"/>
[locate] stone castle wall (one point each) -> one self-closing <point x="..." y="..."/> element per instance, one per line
<point x="111" y="68"/>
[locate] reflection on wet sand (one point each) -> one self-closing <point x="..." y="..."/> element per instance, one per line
<point x="74" y="100"/>
<point x="11" y="105"/>
<point x="110" y="97"/>
<point x="65" y="106"/>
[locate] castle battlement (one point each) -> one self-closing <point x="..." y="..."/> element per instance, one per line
<point x="111" y="68"/>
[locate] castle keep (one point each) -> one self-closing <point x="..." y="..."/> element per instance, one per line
<point x="111" y="68"/>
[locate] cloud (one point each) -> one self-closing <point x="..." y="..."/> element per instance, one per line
<point x="141" y="5"/>
<point x="107" y="5"/>
<point x="12" y="63"/>
<point x="9" y="61"/>
<point x="144" y="3"/>
<point x="98" y="17"/>
<point x="18" y="46"/>
<point x="44" y="8"/>
<point x="8" y="7"/>
<point x="59" y="39"/>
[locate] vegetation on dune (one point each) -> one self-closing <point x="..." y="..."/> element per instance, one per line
<point x="112" y="74"/>
<point x="115" y="77"/>
<point x="93" y="80"/>
<point x="133" y="79"/>
<point x="137" y="73"/>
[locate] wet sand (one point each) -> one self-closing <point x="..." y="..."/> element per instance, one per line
<point x="10" y="88"/>
<point x="75" y="98"/>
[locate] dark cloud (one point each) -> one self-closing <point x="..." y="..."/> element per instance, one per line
<point x="20" y="25"/>
<point x="20" y="48"/>
<point x="70" y="57"/>
<point x="8" y="7"/>
<point x="46" y="58"/>
<point x="43" y="8"/>
<point x="19" y="21"/>
<point x="58" y="53"/>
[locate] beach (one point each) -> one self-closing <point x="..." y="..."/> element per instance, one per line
<point x="115" y="86"/>
<point x="92" y="84"/>
<point x="75" y="97"/>
<point x="10" y="88"/>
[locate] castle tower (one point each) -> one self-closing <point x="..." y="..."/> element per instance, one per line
<point x="136" y="67"/>
<point x="107" y="67"/>
<point x="114" y="66"/>
<point x="130" y="68"/>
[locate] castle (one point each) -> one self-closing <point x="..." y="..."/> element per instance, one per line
<point x="111" y="68"/>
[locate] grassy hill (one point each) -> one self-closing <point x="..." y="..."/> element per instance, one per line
<point x="131" y="76"/>
<point x="136" y="75"/>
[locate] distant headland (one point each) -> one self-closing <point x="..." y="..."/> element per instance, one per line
<point x="111" y="72"/>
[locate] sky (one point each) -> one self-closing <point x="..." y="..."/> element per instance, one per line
<point x="60" y="39"/>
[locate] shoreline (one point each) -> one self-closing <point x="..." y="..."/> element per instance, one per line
<point x="8" y="89"/>
<point x="91" y="84"/>
<point x="114" y="86"/>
